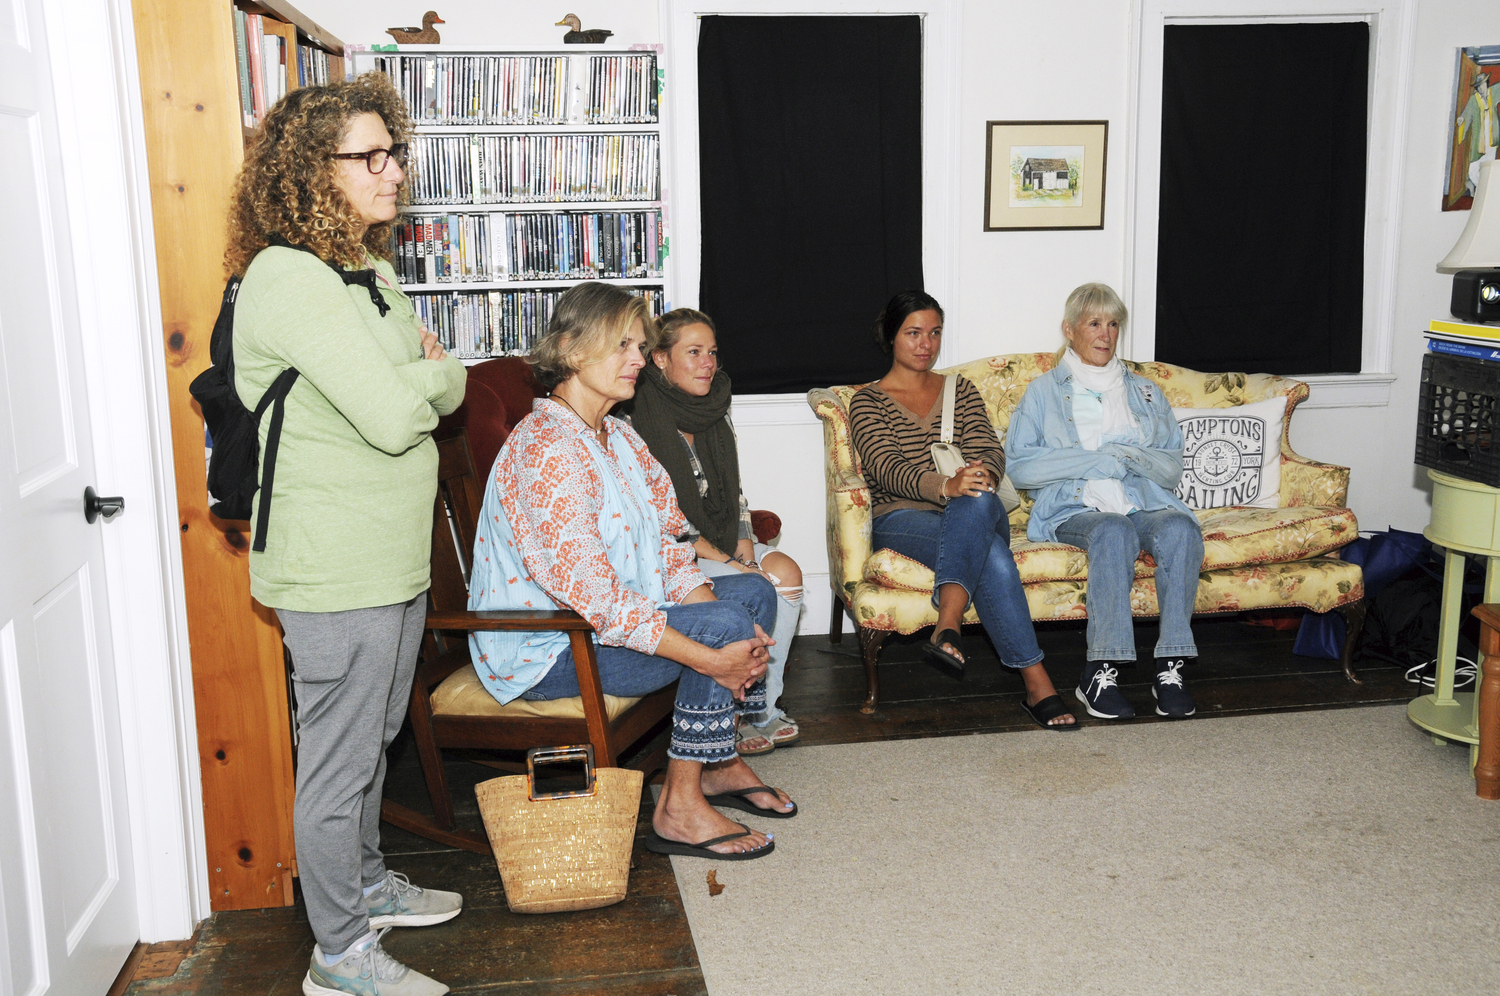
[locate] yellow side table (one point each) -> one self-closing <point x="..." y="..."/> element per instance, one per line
<point x="1465" y="519"/>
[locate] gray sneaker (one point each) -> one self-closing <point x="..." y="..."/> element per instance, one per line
<point x="366" y="970"/>
<point x="398" y="903"/>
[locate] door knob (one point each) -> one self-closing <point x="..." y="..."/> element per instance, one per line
<point x="94" y="506"/>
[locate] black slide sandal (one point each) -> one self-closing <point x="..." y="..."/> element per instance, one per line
<point x="1049" y="708"/>
<point x="658" y="844"/>
<point x="939" y="658"/>
<point x="737" y="800"/>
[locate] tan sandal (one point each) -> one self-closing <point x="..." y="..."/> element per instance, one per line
<point x="751" y="744"/>
<point x="782" y="731"/>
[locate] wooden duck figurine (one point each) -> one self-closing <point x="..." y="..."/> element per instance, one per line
<point x="578" y="36"/>
<point x="425" y="35"/>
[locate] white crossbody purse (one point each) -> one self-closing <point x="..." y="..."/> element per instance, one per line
<point x="949" y="459"/>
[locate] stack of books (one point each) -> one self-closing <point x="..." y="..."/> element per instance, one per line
<point x="531" y="168"/>
<point x="1478" y="342"/>
<point x="260" y="45"/>
<point x="572" y="245"/>
<point x="622" y="89"/>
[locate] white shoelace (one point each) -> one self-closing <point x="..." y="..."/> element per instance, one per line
<point x="375" y="964"/>
<point x="1172" y="675"/>
<point x="1463" y="676"/>
<point x="400" y="884"/>
<point x="1103" y="678"/>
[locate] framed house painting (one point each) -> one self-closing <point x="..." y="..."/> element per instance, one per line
<point x="1044" y="174"/>
<point x="1473" y="124"/>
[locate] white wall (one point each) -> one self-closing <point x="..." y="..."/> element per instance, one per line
<point x="1023" y="61"/>
<point x="1386" y="487"/>
<point x="486" y="23"/>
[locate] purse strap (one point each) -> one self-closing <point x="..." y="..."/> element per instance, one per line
<point x="950" y="392"/>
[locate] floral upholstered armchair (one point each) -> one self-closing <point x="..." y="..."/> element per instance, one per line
<point x="1254" y="558"/>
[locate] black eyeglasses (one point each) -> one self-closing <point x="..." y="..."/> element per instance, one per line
<point x="376" y="159"/>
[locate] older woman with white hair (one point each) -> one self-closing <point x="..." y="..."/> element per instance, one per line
<point x="1100" y="451"/>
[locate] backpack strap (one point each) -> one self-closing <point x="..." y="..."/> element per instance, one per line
<point x="275" y="398"/>
<point x="364" y="278"/>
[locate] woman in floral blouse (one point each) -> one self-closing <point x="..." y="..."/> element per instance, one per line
<point x="580" y="515"/>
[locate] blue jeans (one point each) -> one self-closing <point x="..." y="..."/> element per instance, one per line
<point x="968" y="544"/>
<point x="787" y="614"/>
<point x="703" y="718"/>
<point x="1175" y="541"/>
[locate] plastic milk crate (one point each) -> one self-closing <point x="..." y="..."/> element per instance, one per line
<point x="1456" y="417"/>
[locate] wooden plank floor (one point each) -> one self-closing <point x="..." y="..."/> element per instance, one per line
<point x="642" y="946"/>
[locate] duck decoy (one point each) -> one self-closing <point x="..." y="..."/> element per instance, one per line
<point x="578" y="36"/>
<point x="425" y="35"/>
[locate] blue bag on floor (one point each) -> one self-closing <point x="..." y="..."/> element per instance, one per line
<point x="1383" y="557"/>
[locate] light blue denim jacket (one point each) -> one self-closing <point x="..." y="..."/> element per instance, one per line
<point x="1043" y="454"/>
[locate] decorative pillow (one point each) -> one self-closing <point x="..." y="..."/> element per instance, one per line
<point x="1231" y="456"/>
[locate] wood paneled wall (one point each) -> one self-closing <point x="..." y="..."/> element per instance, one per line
<point x="195" y="141"/>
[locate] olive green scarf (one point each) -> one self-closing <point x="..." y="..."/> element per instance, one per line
<point x="662" y="410"/>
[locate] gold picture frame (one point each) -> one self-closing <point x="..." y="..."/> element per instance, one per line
<point x="1041" y="175"/>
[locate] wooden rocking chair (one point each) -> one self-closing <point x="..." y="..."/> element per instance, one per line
<point x="450" y="709"/>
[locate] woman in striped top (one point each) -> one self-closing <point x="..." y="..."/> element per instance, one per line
<point x="955" y="525"/>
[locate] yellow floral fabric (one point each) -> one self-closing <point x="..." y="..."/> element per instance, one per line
<point x="1253" y="558"/>
<point x="1320" y="584"/>
<point x="1232" y="537"/>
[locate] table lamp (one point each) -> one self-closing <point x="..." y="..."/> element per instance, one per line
<point x="1475" y="259"/>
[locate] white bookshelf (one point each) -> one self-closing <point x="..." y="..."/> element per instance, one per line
<point x="475" y="280"/>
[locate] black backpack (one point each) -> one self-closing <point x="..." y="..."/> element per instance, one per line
<point x="234" y="430"/>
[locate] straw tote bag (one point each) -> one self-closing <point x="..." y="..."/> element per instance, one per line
<point x="566" y="850"/>
<point x="949" y="459"/>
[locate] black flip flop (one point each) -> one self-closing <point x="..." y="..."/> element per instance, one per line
<point x="1049" y="708"/>
<point x="658" y="844"/>
<point x="737" y="800"/>
<point x="939" y="658"/>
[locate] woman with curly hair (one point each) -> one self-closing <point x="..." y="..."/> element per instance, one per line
<point x="346" y="553"/>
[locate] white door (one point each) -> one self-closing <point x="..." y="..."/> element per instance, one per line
<point x="67" y="902"/>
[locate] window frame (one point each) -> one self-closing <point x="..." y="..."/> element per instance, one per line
<point x="941" y="101"/>
<point x="1392" y="37"/>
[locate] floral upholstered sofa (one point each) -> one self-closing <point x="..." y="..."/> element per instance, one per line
<point x="1254" y="558"/>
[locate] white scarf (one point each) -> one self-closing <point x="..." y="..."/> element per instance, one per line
<point x="1108" y="382"/>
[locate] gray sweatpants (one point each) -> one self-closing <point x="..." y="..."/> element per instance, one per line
<point x="352" y="672"/>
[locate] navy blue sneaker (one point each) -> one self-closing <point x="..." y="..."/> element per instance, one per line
<point x="1172" y="699"/>
<point x="1099" y="691"/>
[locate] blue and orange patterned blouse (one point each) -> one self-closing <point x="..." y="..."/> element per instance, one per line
<point x="569" y="524"/>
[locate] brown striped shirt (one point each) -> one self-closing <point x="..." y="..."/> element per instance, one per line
<point x="894" y="444"/>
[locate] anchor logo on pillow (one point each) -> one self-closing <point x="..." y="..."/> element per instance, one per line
<point x="1221" y="460"/>
<point x="1225" y="453"/>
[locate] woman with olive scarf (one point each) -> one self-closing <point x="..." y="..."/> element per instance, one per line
<point x="682" y="412"/>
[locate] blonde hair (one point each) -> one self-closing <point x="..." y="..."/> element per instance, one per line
<point x="1094" y="299"/>
<point x="669" y="327"/>
<point x="585" y="328"/>
<point x="286" y="184"/>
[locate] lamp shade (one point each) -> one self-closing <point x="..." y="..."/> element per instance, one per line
<point x="1478" y="248"/>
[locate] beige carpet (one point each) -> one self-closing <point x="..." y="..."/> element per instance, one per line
<point x="1314" y="852"/>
